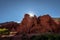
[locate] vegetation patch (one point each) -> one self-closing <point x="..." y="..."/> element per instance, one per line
<point x="4" y="31"/>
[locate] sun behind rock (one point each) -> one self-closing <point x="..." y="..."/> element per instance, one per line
<point x="31" y="14"/>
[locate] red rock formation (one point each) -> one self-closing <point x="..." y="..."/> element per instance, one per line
<point x="47" y="23"/>
<point x="27" y="23"/>
<point x="42" y="24"/>
<point x="58" y="29"/>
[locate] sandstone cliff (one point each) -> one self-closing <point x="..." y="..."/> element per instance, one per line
<point x="41" y="24"/>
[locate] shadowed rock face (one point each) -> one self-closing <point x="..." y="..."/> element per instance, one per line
<point x="41" y="24"/>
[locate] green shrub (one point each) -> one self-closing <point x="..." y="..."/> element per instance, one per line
<point x="4" y="31"/>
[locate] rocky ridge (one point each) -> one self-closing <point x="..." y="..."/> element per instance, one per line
<point x="41" y="24"/>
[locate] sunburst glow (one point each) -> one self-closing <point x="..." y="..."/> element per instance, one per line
<point x="31" y="14"/>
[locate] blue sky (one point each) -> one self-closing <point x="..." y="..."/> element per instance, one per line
<point x="14" y="10"/>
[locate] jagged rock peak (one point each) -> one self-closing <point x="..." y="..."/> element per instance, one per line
<point x="26" y="15"/>
<point x="47" y="15"/>
<point x="30" y="15"/>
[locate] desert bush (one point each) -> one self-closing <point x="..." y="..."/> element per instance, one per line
<point x="4" y="31"/>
